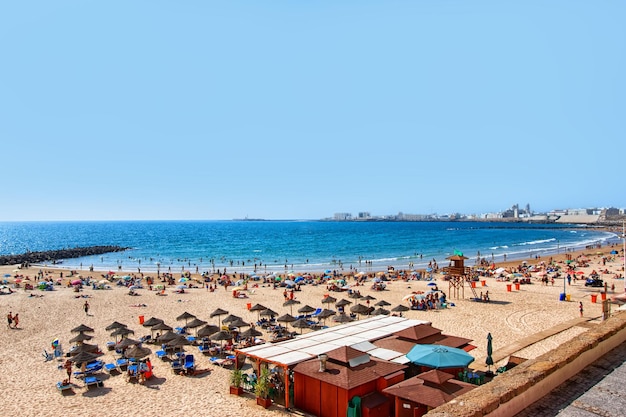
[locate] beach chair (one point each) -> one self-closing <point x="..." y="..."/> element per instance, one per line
<point x="62" y="388"/>
<point x="91" y="381"/>
<point x="189" y="364"/>
<point x="110" y="368"/>
<point x="161" y="354"/>
<point x="316" y="312"/>
<point x="177" y="366"/>
<point x="47" y="356"/>
<point x="122" y="364"/>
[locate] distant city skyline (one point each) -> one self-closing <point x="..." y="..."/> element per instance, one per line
<point x="297" y="110"/>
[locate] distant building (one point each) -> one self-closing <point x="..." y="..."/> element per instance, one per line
<point x="342" y="216"/>
<point x="364" y="215"/>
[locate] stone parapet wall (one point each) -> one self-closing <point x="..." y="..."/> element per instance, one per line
<point x="511" y="392"/>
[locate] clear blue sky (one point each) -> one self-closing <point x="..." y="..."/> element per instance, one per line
<point x="300" y="109"/>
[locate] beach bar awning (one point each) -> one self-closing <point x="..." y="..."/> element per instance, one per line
<point x="355" y="334"/>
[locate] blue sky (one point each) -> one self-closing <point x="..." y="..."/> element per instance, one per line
<point x="300" y="109"/>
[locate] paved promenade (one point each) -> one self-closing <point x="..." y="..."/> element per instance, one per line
<point x="598" y="390"/>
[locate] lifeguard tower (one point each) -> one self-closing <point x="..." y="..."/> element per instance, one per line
<point x="457" y="275"/>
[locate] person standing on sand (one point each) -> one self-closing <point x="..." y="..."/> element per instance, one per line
<point x="580" y="307"/>
<point x="9" y="319"/>
<point x="86" y="307"/>
<point x="16" y="320"/>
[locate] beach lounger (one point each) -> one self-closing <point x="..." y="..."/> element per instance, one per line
<point x="64" y="387"/>
<point x="190" y="363"/>
<point x="204" y="348"/>
<point x="92" y="381"/>
<point x="111" y="367"/>
<point x="122" y="364"/>
<point x="47" y="356"/>
<point x="177" y="366"/>
<point x="223" y="362"/>
<point x="161" y="354"/>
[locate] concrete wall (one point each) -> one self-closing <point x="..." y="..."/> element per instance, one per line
<point x="511" y="392"/>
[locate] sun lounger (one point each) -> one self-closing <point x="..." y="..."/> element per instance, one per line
<point x="189" y="364"/>
<point x="204" y="348"/>
<point x="111" y="367"/>
<point x="64" y="387"/>
<point x="161" y="354"/>
<point x="122" y="364"/>
<point x="177" y="366"/>
<point x="223" y="362"/>
<point x="91" y="381"/>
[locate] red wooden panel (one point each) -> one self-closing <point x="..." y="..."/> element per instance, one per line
<point x="328" y="400"/>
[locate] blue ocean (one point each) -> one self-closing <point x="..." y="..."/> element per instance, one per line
<point x="246" y="246"/>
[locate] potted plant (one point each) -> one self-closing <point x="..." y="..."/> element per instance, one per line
<point x="236" y="378"/>
<point x="262" y="389"/>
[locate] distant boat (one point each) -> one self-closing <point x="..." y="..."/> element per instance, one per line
<point x="247" y="219"/>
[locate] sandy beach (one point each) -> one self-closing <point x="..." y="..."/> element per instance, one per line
<point x="29" y="381"/>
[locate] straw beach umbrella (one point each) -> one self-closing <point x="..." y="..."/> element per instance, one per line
<point x="80" y="337"/>
<point x="115" y="325"/>
<point x="258" y="308"/>
<point x="328" y="300"/>
<point x="400" y="308"/>
<point x="82" y="329"/>
<point x="185" y="316"/>
<point x="380" y="312"/>
<point x="291" y="302"/>
<point x="306" y="309"/>
<point x="137" y="352"/>
<point x="217" y="313"/>
<point x="152" y="321"/>
<point x="301" y="324"/>
<point x="208" y="330"/>
<point x="382" y="303"/>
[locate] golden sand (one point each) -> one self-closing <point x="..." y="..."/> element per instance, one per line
<point x="28" y="382"/>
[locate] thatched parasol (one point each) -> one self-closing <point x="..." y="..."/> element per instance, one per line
<point x="380" y="312"/>
<point x="230" y="318"/>
<point x="162" y="326"/>
<point x="208" y="330"/>
<point x="342" y="303"/>
<point x="152" y="321"/>
<point x="359" y="309"/>
<point x="301" y="324"/>
<point x="328" y="300"/>
<point x="80" y="337"/>
<point x="269" y="312"/>
<point x="290" y="303"/>
<point x="400" y="308"/>
<point x="342" y="318"/>
<point x="382" y="303"/>
<point x="115" y="325"/>
<point x="137" y="352"/>
<point x="166" y="337"/>
<point x="81" y="329"/>
<point x="238" y="323"/>
<point x="196" y="322"/>
<point x="286" y="318"/>
<point x="185" y="316"/>
<point x="127" y="342"/>
<point x="355" y="295"/>
<point x="250" y="333"/>
<point x="85" y="347"/>
<point x="306" y="309"/>
<point x="84" y="357"/>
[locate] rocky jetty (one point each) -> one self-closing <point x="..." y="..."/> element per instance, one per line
<point x="51" y="256"/>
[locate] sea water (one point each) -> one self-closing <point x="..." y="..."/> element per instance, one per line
<point x="264" y="246"/>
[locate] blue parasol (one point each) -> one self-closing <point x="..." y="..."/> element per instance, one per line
<point x="439" y="357"/>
